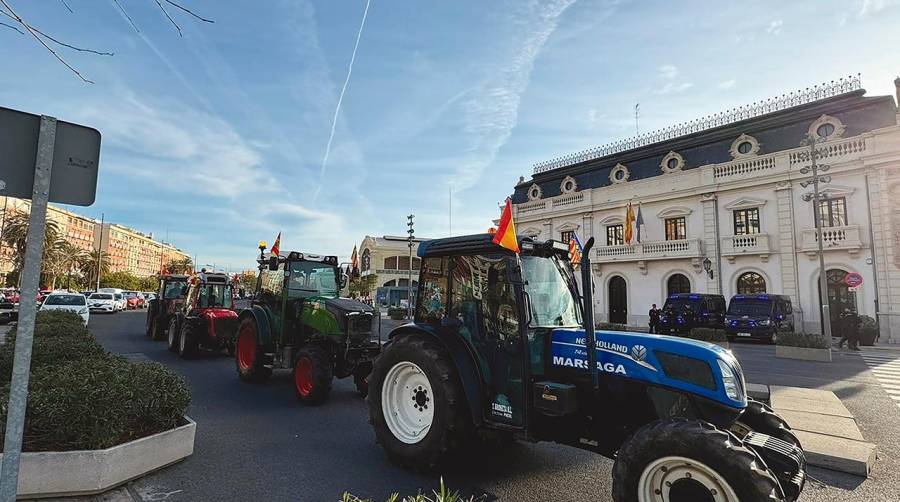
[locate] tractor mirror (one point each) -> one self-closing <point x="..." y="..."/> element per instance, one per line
<point x="273" y="263"/>
<point x="513" y="271"/>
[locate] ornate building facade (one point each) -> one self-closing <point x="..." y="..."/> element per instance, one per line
<point x="388" y="257"/>
<point x="723" y="207"/>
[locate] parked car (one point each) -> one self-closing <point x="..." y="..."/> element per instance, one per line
<point x="70" y="302"/>
<point x="11" y="295"/>
<point x="9" y="311"/>
<point x="118" y="295"/>
<point x="42" y="294"/>
<point x="103" y="302"/>
<point x="134" y="299"/>
<point x="760" y="317"/>
<point x="685" y="311"/>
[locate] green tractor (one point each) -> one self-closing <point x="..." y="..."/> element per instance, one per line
<point x="298" y="321"/>
<point x="504" y="346"/>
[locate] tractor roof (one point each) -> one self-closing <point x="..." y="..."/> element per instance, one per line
<point x="298" y="256"/>
<point x="484" y="243"/>
<point x="174" y="277"/>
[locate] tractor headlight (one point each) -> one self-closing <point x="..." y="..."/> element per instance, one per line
<point x="733" y="388"/>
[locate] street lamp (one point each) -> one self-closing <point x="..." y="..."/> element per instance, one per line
<point x="707" y="265"/>
<point x="812" y="156"/>
<point x="409" y="241"/>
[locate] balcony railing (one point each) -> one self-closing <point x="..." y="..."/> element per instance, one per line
<point x="657" y="250"/>
<point x="831" y="149"/>
<point x="743" y="168"/>
<point x="753" y="244"/>
<point x="833" y="238"/>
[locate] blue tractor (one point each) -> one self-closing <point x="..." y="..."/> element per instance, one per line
<point x="503" y="346"/>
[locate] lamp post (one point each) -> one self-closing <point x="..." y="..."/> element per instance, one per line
<point x="409" y="242"/>
<point x="707" y="266"/>
<point x="812" y="156"/>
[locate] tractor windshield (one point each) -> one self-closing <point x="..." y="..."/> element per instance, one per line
<point x="551" y="291"/>
<point x="310" y="278"/>
<point x="215" y="295"/>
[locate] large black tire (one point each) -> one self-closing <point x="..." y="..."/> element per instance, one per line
<point x="172" y="335"/>
<point x="187" y="346"/>
<point x="450" y="428"/>
<point x="360" y="378"/>
<point x="758" y="417"/>
<point x="248" y="356"/>
<point x="739" y="466"/>
<point x="151" y="326"/>
<point x="313" y="373"/>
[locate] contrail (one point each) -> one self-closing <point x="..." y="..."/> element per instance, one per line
<point x="337" y="109"/>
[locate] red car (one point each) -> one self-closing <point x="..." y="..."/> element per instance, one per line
<point x="134" y="300"/>
<point x="207" y="318"/>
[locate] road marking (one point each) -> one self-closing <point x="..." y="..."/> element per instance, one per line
<point x="886" y="369"/>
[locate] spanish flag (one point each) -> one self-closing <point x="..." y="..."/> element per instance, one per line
<point x="629" y="223"/>
<point x="575" y="250"/>
<point x="506" y="231"/>
<point x="276" y="248"/>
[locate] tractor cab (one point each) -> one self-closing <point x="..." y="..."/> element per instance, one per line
<point x="504" y="344"/>
<point x="206" y="318"/>
<point x="169" y="295"/>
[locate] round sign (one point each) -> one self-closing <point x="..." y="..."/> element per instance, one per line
<point x="853" y="279"/>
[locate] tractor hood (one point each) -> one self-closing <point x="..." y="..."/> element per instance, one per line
<point x="686" y="365"/>
<point x="342" y="306"/>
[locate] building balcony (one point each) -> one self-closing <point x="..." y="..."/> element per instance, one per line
<point x="389" y="271"/>
<point x="833" y="238"/>
<point x="655" y="250"/>
<point x="744" y="245"/>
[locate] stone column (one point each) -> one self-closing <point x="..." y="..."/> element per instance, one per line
<point x="710" y="243"/>
<point x="785" y="245"/>
<point x="884" y="188"/>
<point x="547" y="230"/>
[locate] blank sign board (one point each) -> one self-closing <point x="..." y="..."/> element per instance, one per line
<point x="76" y="155"/>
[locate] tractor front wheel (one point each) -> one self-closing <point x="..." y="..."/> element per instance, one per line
<point x="416" y="403"/>
<point x="249" y="353"/>
<point x="172" y="335"/>
<point x="187" y="346"/>
<point x="682" y="460"/>
<point x="312" y="375"/>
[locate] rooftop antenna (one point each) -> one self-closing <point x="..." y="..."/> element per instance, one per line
<point x="637" y="107"/>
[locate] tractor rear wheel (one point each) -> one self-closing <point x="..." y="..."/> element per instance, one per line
<point x="313" y="373"/>
<point x="682" y="460"/>
<point x="172" y="335"/>
<point x="416" y="403"/>
<point x="249" y="353"/>
<point x="151" y="326"/>
<point x="758" y="417"/>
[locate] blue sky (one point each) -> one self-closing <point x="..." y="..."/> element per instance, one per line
<point x="217" y="137"/>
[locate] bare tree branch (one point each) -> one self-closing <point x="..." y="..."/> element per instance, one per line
<point x="30" y="30"/>
<point x="48" y="37"/>
<point x="12" y="28"/>
<point x="125" y="13"/>
<point x="169" y="17"/>
<point x="189" y="11"/>
<point x="67" y="6"/>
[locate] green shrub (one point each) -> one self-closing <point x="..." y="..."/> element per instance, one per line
<point x="441" y="495"/>
<point x="711" y="335"/>
<point x="868" y="330"/>
<point x="806" y="340"/>
<point x="96" y="403"/>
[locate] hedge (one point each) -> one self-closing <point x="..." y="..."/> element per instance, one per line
<point x="711" y="335"/>
<point x="806" y="340"/>
<point x="80" y="397"/>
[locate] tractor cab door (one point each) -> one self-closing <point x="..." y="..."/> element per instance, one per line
<point x="483" y="304"/>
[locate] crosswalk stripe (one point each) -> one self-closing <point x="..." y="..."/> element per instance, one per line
<point x="881" y="359"/>
<point x="892" y="361"/>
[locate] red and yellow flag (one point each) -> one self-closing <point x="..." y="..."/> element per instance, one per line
<point x="629" y="223"/>
<point x="354" y="259"/>
<point x="505" y="236"/>
<point x="276" y="248"/>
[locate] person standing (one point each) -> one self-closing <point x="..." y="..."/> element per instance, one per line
<point x="852" y="328"/>
<point x="654" y="319"/>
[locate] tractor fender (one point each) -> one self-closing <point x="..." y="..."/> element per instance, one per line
<point x="463" y="360"/>
<point x="262" y="324"/>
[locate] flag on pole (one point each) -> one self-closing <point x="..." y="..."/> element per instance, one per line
<point x="276" y="248"/>
<point x="353" y="259"/>
<point x="629" y="221"/>
<point x="639" y="222"/>
<point x="575" y="250"/>
<point x="506" y="231"/>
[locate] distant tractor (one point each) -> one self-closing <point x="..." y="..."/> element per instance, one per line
<point x="160" y="310"/>
<point x="206" y="318"/>
<point x="503" y="346"/>
<point x="297" y="320"/>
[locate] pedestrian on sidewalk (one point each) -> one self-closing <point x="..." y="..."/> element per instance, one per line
<point x="852" y="329"/>
<point x="654" y="319"/>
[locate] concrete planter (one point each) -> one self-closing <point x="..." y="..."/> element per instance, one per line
<point x="88" y="472"/>
<point x="803" y="353"/>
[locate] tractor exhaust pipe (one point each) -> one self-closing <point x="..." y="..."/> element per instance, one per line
<point x="587" y="299"/>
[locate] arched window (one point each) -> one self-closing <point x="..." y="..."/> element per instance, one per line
<point x="678" y="283"/>
<point x="390" y="263"/>
<point x="749" y="283"/>
<point x="366" y="260"/>
<point x="390" y="284"/>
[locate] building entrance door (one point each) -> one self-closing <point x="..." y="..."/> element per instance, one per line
<point x="840" y="298"/>
<point x="618" y="301"/>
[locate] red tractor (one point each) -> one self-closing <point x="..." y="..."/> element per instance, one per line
<point x="207" y="317"/>
<point x="169" y="297"/>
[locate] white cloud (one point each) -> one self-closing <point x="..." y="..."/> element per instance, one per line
<point x="668" y="71"/>
<point x="727" y="84"/>
<point x="491" y="113"/>
<point x="593" y="115"/>
<point x="774" y="27"/>
<point x="869" y="7"/>
<point x="673" y="87"/>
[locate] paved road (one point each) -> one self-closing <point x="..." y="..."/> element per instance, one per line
<point x="256" y="442"/>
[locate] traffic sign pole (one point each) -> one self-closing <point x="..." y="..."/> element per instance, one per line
<point x="31" y="273"/>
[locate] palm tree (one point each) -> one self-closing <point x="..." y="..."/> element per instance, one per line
<point x="15" y="232"/>
<point x="180" y="266"/>
<point x="88" y="266"/>
<point x="69" y="258"/>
